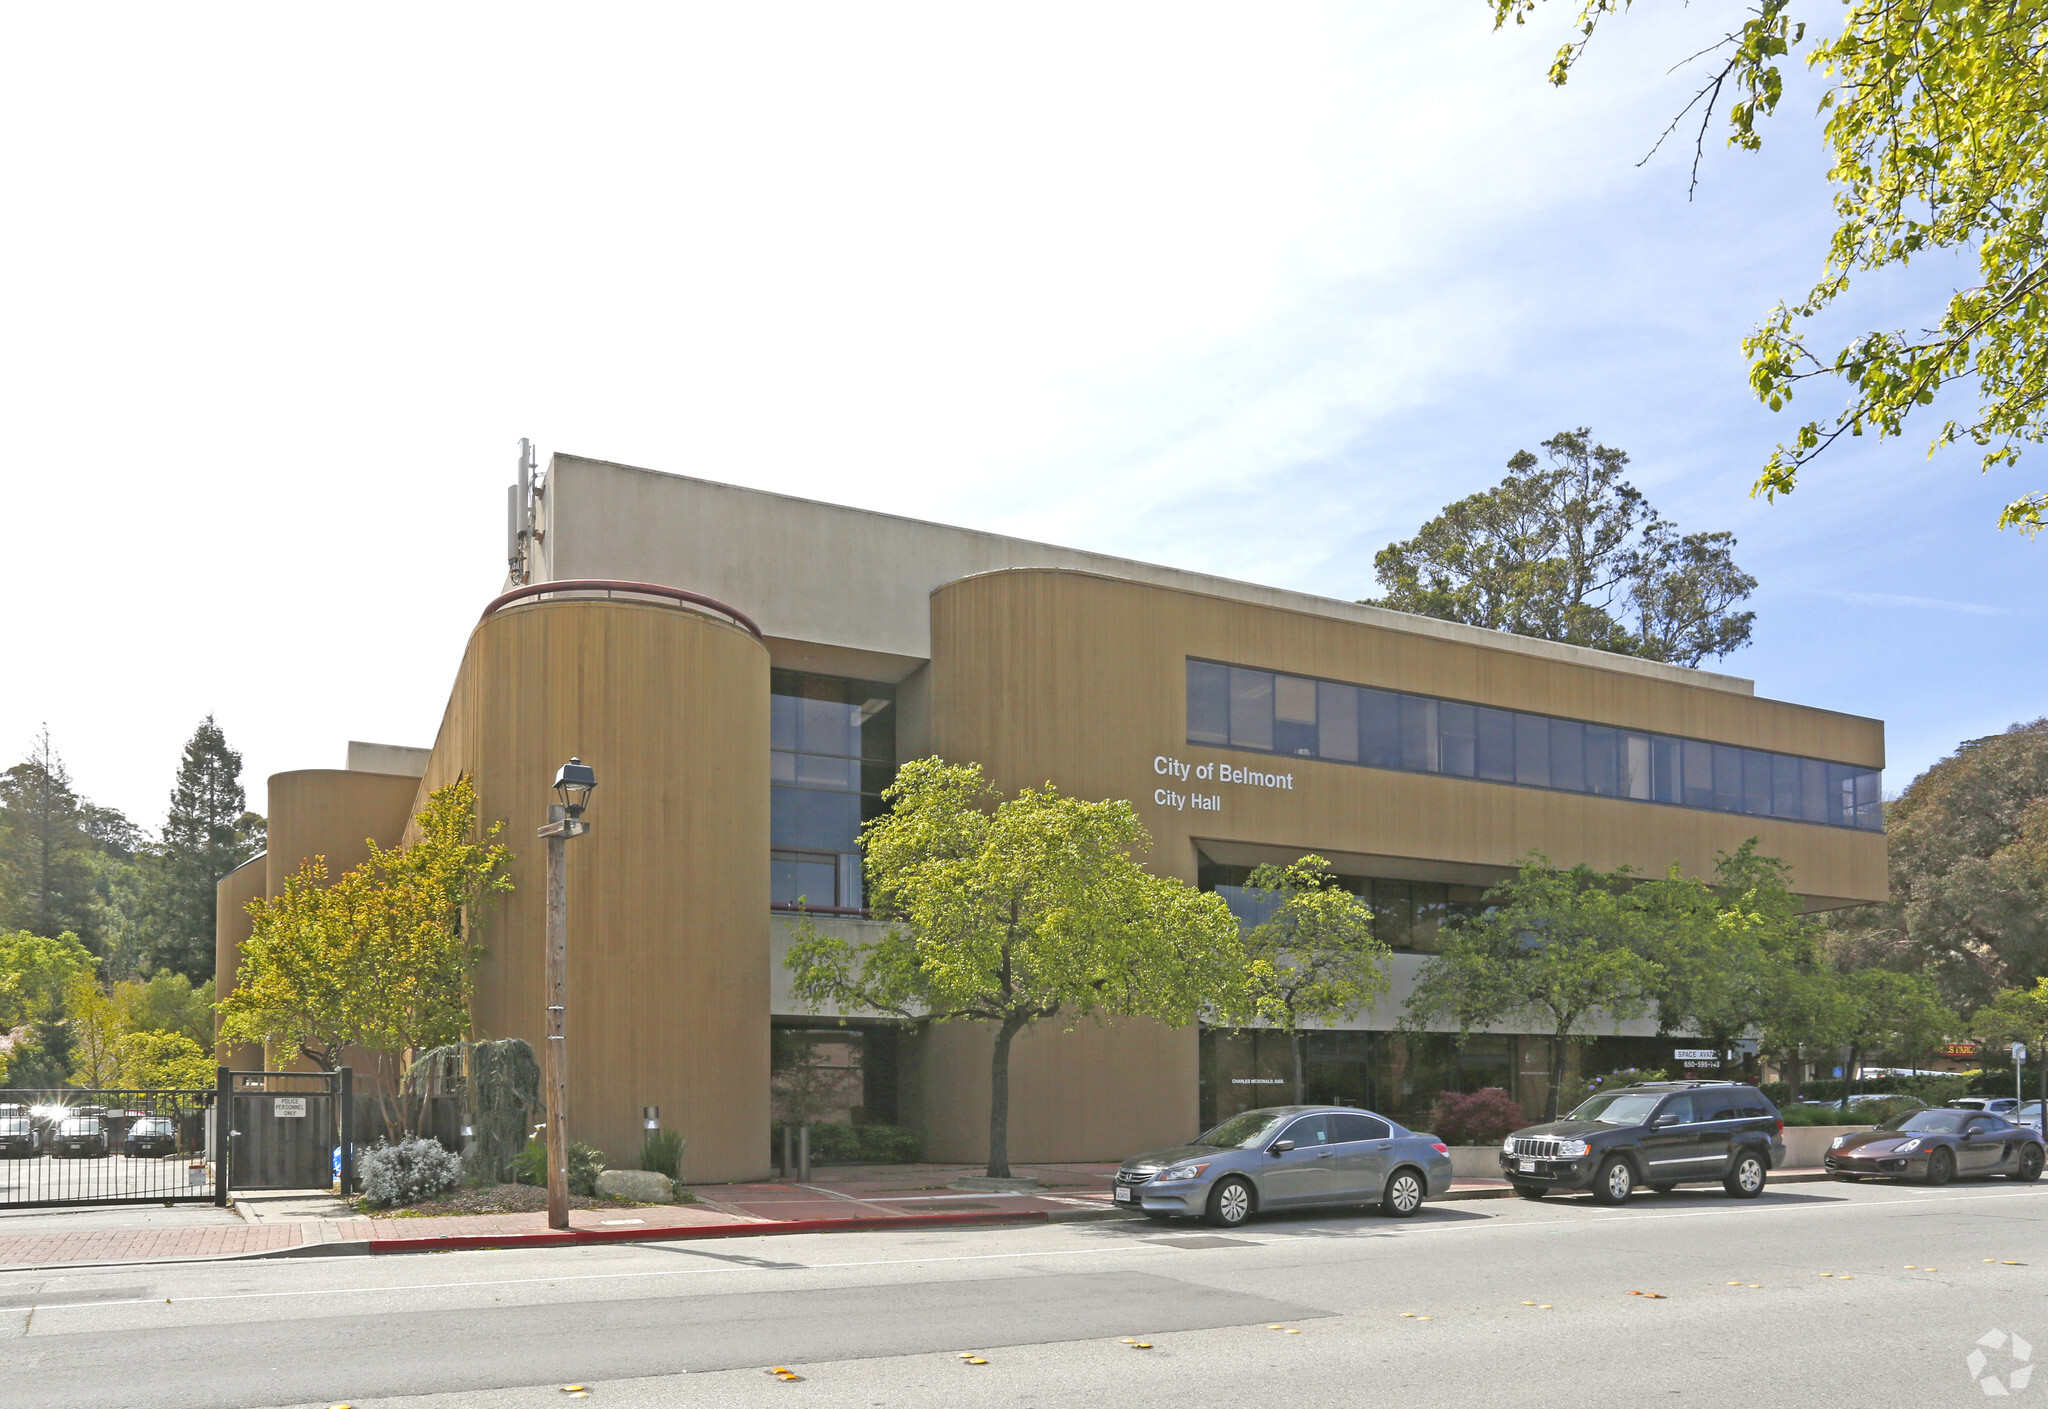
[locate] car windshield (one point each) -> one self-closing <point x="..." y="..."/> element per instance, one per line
<point x="83" y="1126"/>
<point x="14" y="1127"/>
<point x="1619" y="1107"/>
<point x="1241" y="1132"/>
<point x="1929" y="1122"/>
<point x="152" y="1127"/>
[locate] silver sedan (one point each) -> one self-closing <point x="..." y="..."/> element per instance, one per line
<point x="1288" y="1157"/>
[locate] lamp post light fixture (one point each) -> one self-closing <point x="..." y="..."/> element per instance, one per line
<point x="573" y="784"/>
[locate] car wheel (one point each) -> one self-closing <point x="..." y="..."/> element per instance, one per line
<point x="1662" y="1188"/>
<point x="1403" y="1194"/>
<point x="2030" y="1165"/>
<point x="1746" y="1179"/>
<point x="1941" y="1166"/>
<point x="1230" y="1203"/>
<point x="1530" y="1191"/>
<point x="1615" y="1181"/>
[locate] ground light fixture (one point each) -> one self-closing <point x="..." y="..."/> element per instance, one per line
<point x="574" y="783"/>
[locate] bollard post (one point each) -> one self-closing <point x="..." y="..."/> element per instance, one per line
<point x="803" y="1154"/>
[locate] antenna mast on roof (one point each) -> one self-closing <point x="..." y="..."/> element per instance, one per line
<point x="520" y="533"/>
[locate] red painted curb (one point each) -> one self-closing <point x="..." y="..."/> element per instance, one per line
<point x="574" y="1237"/>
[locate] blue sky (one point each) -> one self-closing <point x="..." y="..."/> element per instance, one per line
<point x="1250" y="295"/>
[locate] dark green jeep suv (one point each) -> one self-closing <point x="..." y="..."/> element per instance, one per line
<point x="1662" y="1135"/>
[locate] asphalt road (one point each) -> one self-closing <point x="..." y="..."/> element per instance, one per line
<point x="1512" y="1303"/>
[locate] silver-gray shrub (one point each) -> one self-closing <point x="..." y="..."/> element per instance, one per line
<point x="406" y="1172"/>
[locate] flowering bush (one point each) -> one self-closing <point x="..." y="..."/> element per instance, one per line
<point x="1485" y="1117"/>
<point x="406" y="1172"/>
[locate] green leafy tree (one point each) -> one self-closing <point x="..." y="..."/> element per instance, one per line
<point x="1017" y="912"/>
<point x="48" y="876"/>
<point x="380" y="957"/>
<point x="2018" y="1015"/>
<point x="1968" y="853"/>
<point x="1895" y="1014"/>
<point x="1558" y="949"/>
<point x="44" y="1062"/>
<point x="1737" y="957"/>
<point x="36" y="972"/>
<point x="1566" y="550"/>
<point x="208" y="832"/>
<point x="1937" y="115"/>
<point x="96" y="1033"/>
<point x="164" y="1061"/>
<point x="167" y="1002"/>
<point x="1315" y="952"/>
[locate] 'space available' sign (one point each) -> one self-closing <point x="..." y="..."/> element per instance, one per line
<point x="1181" y="771"/>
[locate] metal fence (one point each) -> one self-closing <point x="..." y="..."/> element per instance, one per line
<point x="105" y="1147"/>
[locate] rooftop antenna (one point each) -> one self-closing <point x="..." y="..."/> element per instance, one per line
<point x="519" y="532"/>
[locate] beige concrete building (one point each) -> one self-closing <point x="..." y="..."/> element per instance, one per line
<point x="742" y="730"/>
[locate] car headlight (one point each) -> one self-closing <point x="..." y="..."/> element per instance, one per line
<point x="1507" y="1146"/>
<point x="1572" y="1149"/>
<point x="1184" y="1171"/>
<point x="1907" y="1148"/>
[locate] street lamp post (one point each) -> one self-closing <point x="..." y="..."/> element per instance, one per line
<point x="565" y="820"/>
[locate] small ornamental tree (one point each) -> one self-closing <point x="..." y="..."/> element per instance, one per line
<point x="379" y="959"/>
<point x="2018" y="1015"/>
<point x="1559" y="949"/>
<point x="1315" y="953"/>
<point x="1485" y="1117"/>
<point x="1017" y="912"/>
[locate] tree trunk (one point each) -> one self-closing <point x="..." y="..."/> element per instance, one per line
<point x="1556" y="1072"/>
<point x="1296" y="1041"/>
<point x="1849" y="1074"/>
<point x="999" y="1099"/>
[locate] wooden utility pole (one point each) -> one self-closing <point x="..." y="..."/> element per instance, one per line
<point x="558" y="831"/>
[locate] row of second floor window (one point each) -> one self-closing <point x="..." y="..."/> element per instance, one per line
<point x="1232" y="706"/>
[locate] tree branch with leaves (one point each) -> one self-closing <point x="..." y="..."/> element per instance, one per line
<point x="1019" y="911"/>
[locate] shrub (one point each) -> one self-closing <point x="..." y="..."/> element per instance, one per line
<point x="406" y="1172"/>
<point x="1486" y="1117"/>
<point x="586" y="1162"/>
<point x="864" y="1144"/>
<point x="662" y="1152"/>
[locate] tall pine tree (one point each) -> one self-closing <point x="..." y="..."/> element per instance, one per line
<point x="49" y="882"/>
<point x="208" y="833"/>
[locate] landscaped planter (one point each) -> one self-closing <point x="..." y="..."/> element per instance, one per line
<point x="1475" y="1162"/>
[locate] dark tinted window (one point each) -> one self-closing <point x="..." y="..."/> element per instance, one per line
<point x="1749" y="1105"/>
<point x="1679" y="1106"/>
<point x="1235" y="706"/>
<point x="1713" y="1105"/>
<point x="1345" y="1129"/>
<point x="1309" y="1130"/>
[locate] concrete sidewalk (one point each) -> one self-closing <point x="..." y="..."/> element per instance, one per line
<point x="313" y="1223"/>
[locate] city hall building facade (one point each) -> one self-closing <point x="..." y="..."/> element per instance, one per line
<point x="743" y="727"/>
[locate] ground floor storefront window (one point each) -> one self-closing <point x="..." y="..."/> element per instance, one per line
<point x="1401" y="1074"/>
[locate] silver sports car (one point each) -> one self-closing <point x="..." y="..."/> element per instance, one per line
<point x="1288" y="1157"/>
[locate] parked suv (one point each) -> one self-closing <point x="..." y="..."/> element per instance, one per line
<point x="1663" y="1135"/>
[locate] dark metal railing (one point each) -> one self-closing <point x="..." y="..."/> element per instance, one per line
<point x="105" y="1146"/>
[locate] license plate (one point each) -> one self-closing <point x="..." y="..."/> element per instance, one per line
<point x="1123" y="1195"/>
<point x="1528" y="1166"/>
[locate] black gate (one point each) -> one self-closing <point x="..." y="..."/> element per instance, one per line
<point x="286" y="1127"/>
<point x="67" y="1147"/>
